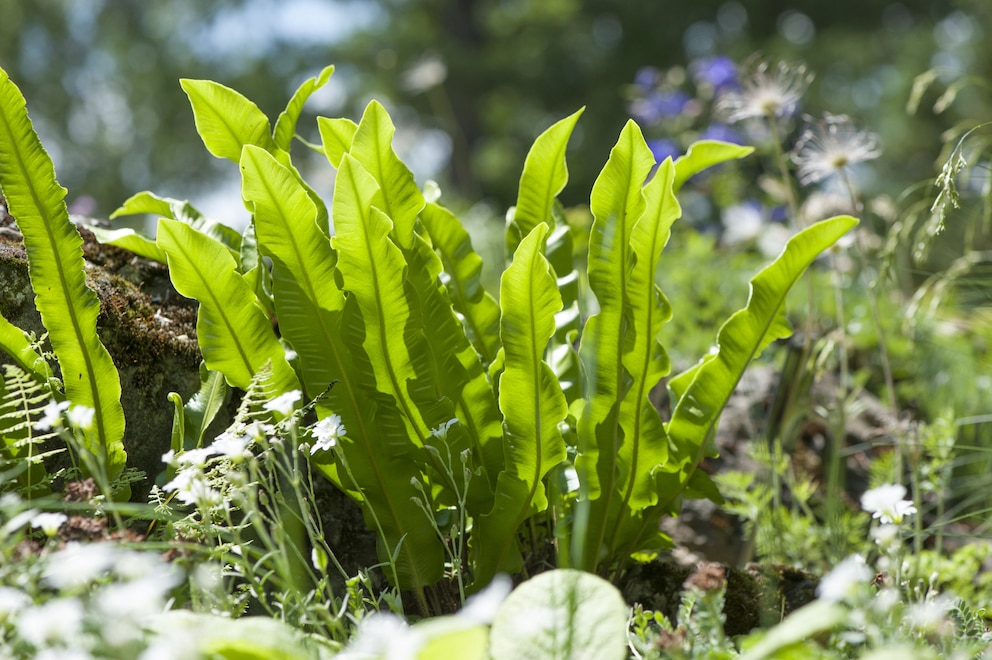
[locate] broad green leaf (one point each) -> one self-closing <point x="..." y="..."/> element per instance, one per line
<point x="235" y="336"/>
<point x="446" y="360"/>
<point x="645" y="444"/>
<point x="741" y="338"/>
<point x="463" y="279"/>
<point x="17" y="344"/>
<point x="544" y="177"/>
<point x="176" y="209"/>
<point x="375" y="325"/>
<point x="129" y="239"/>
<point x="616" y="204"/>
<point x="226" y="120"/>
<point x="398" y="196"/>
<point x="705" y="154"/>
<point x="562" y="356"/>
<point x="820" y="616"/>
<point x="286" y="123"/>
<point x="247" y="638"/>
<point x="532" y="403"/>
<point x="562" y="614"/>
<point x="68" y="307"/>
<point x="146" y="202"/>
<point x="336" y="136"/>
<point x="307" y="301"/>
<point x="373" y="270"/>
<point x="203" y="406"/>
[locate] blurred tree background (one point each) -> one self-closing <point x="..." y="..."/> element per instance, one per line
<point x="470" y="82"/>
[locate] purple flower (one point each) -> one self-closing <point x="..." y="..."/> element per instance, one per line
<point x="720" y="72"/>
<point x="659" y="105"/>
<point x="721" y="132"/>
<point x="647" y="77"/>
<point x="663" y="149"/>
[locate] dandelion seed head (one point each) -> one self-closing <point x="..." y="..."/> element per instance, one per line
<point x="829" y="146"/>
<point x="767" y="91"/>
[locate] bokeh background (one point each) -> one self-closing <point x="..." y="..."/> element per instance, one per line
<point x="470" y="83"/>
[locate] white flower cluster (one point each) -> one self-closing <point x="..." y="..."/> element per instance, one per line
<point x="106" y="597"/>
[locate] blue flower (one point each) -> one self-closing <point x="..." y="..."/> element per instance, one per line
<point x="659" y="105"/>
<point x="720" y="72"/>
<point x="647" y="77"/>
<point x="721" y="132"/>
<point x="663" y="149"/>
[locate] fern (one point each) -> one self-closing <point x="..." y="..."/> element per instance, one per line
<point x="23" y="449"/>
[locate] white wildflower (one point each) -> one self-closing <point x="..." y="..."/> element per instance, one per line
<point x="196" y="457"/>
<point x="79" y="564"/>
<point x="18" y="521"/>
<point x="931" y="613"/>
<point x="12" y="601"/>
<point x="51" y="417"/>
<point x="284" y="403"/>
<point x="231" y="446"/>
<point x="59" y="620"/>
<point x="49" y="523"/>
<point x="81" y="417"/>
<point x="845" y="580"/>
<point x="766" y="92"/>
<point x="829" y="146"/>
<point x="326" y="432"/>
<point x="741" y="222"/>
<point x="887" y="503"/>
<point x="887" y="537"/>
<point x="382" y="635"/>
<point x="191" y="487"/>
<point x="441" y="432"/>
<point x="481" y="608"/>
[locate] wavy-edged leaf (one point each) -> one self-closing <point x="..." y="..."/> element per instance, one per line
<point x="234" y="334"/>
<point x="645" y="443"/>
<point x="616" y="204"/>
<point x="286" y="122"/>
<point x="129" y="239"/>
<point x="225" y="119"/>
<point x="740" y="339"/>
<point x="705" y="154"/>
<point x="451" y="365"/>
<point x="336" y="135"/>
<point x="543" y="178"/>
<point x="398" y="197"/>
<point x="18" y="344"/>
<point x="375" y="325"/>
<point x="463" y="279"/>
<point x="148" y="203"/>
<point x="532" y="403"/>
<point x="68" y="307"/>
<point x="306" y="298"/>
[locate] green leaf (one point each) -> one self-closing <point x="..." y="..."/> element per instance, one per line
<point x="616" y="204"/>
<point x="532" y="403"/>
<point x="129" y="239"/>
<point x="181" y="210"/>
<point x="398" y="196"/>
<point x="68" y="307"/>
<point x="336" y="136"/>
<point x="562" y="614"/>
<point x="705" y="154"/>
<point x="226" y="120"/>
<point x="463" y="273"/>
<point x="234" y="334"/>
<point x="375" y="324"/>
<point x="203" y="406"/>
<point x="745" y="334"/>
<point x="645" y="444"/>
<point x="544" y="177"/>
<point x="286" y="123"/>
<point x="818" y="617"/>
<point x="17" y="344"/>
<point x="307" y="301"/>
